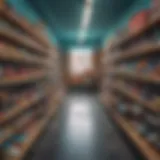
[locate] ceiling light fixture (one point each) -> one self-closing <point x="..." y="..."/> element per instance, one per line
<point x="86" y="19"/>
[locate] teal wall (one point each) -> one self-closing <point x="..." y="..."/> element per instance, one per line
<point x="23" y="8"/>
<point x="138" y="6"/>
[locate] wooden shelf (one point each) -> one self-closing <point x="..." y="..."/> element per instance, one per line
<point x="22" y="40"/>
<point x="17" y="109"/>
<point x="9" y="132"/>
<point x="24" y="25"/>
<point x="13" y="55"/>
<point x="153" y="21"/>
<point x="136" y="76"/>
<point x="33" y="134"/>
<point x="144" y="147"/>
<point x="141" y="50"/>
<point x="24" y="79"/>
<point x="136" y="98"/>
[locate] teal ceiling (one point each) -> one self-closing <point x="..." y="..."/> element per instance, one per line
<point x="64" y="17"/>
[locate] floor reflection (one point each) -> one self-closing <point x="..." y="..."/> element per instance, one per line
<point x="80" y="124"/>
<point x="79" y="129"/>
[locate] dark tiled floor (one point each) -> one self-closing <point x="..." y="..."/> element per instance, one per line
<point x="81" y="131"/>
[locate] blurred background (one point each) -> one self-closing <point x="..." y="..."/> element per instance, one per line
<point x="79" y="79"/>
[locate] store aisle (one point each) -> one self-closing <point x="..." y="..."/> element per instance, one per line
<point x="81" y="132"/>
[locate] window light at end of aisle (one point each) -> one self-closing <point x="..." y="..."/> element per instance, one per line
<point x="80" y="60"/>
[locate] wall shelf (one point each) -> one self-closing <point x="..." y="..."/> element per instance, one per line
<point x="145" y="148"/>
<point x="33" y="134"/>
<point x="30" y="73"/>
<point x="22" y="40"/>
<point x="145" y="49"/>
<point x="12" y="55"/>
<point x="17" y="109"/>
<point x="10" y="16"/>
<point x="130" y="36"/>
<point x="131" y="76"/>
<point x="123" y="90"/>
<point x="24" y="79"/>
<point x="136" y="76"/>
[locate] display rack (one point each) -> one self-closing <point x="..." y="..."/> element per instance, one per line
<point x="31" y="84"/>
<point x="34" y="132"/>
<point x="130" y="88"/>
<point x="148" y="151"/>
<point x="20" y="22"/>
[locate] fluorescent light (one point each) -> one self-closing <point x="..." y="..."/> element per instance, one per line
<point x="86" y="18"/>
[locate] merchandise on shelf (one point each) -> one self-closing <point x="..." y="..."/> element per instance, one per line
<point x="145" y="122"/>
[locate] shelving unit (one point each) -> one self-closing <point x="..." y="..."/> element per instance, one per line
<point x="146" y="48"/>
<point x="22" y="79"/>
<point x="124" y="91"/>
<point x="135" y="76"/>
<point x="31" y="85"/>
<point x="16" y="110"/>
<point x="34" y="132"/>
<point x="130" y="88"/>
<point x="154" y="19"/>
<point x="15" y="19"/>
<point x="22" y="40"/>
<point x="7" y="54"/>
<point x="148" y="151"/>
